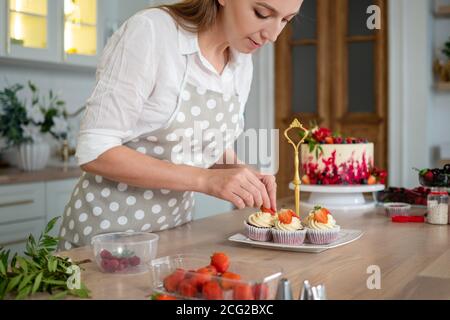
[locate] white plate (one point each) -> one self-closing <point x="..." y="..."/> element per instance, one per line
<point x="345" y="236"/>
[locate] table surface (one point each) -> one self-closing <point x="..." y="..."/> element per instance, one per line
<point x="413" y="258"/>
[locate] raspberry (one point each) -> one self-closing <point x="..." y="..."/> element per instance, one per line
<point x="134" y="261"/>
<point x="105" y="254"/>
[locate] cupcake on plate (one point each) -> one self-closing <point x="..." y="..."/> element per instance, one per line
<point x="288" y="228"/>
<point x="258" y="225"/>
<point x="321" y="228"/>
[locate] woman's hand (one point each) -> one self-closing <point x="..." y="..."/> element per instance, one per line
<point x="270" y="183"/>
<point x="241" y="186"/>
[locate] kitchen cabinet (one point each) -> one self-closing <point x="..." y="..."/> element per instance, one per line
<point x="57" y="195"/>
<point x="26" y="208"/>
<point x="69" y="32"/>
<point x="31" y="29"/>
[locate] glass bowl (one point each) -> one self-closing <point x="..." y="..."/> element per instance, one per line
<point x="187" y="277"/>
<point x="124" y="252"/>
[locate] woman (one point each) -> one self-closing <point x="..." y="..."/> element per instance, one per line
<point x="167" y="107"/>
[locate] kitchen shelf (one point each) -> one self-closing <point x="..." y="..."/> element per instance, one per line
<point x="442" y="12"/>
<point x="443" y="86"/>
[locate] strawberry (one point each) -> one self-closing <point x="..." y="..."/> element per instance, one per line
<point x="429" y="175"/>
<point x="306" y="180"/>
<point x="163" y="297"/>
<point x="212" y="291"/>
<point x="261" y="291"/>
<point x="229" y="276"/>
<point x="372" y="180"/>
<point x="243" y="292"/>
<point x="271" y="211"/>
<point x="212" y="270"/>
<point x="201" y="276"/>
<point x="292" y="213"/>
<point x="329" y="140"/>
<point x="321" y="214"/>
<point x="172" y="281"/>
<point x="220" y="261"/>
<point x="285" y="217"/>
<point x="187" y="288"/>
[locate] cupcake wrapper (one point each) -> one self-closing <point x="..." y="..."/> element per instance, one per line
<point x="289" y="237"/>
<point x="323" y="236"/>
<point x="258" y="234"/>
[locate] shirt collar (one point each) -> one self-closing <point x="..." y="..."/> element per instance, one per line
<point x="188" y="44"/>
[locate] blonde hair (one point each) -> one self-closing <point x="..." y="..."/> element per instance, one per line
<point x="193" y="15"/>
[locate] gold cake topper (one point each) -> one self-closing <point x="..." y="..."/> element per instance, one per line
<point x="296" y="125"/>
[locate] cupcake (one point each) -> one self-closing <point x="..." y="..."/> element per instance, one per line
<point x="288" y="228"/>
<point x="321" y="228"/>
<point x="258" y="226"/>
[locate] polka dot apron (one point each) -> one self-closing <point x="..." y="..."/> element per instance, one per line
<point x="205" y="124"/>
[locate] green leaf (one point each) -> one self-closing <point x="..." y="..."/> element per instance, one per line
<point x="23" y="264"/>
<point x="2" y="268"/>
<point x="23" y="293"/>
<point x="3" y="284"/>
<point x="50" y="225"/>
<point x="54" y="265"/>
<point x="13" y="282"/>
<point x="55" y="282"/>
<point x="37" y="282"/>
<point x="25" y="281"/>
<point x="59" y="295"/>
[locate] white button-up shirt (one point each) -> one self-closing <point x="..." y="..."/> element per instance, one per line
<point x="139" y="79"/>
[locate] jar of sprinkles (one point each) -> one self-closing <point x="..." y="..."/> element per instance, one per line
<point x="437" y="206"/>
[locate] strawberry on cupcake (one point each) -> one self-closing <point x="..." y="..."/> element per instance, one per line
<point x="321" y="227"/>
<point x="288" y="228"/>
<point x="259" y="224"/>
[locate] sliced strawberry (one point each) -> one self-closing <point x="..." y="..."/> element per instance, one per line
<point x="285" y="217"/>
<point x="267" y="210"/>
<point x="321" y="214"/>
<point x="292" y="213"/>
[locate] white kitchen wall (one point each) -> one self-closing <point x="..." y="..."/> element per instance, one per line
<point x="440" y="107"/>
<point x="418" y="115"/>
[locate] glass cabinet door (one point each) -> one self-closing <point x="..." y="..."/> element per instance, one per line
<point x="29" y="29"/>
<point x="81" y="32"/>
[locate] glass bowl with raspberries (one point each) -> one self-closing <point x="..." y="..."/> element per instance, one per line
<point x="435" y="177"/>
<point x="124" y="252"/>
<point x="217" y="277"/>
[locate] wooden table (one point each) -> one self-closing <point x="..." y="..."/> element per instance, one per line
<point x="414" y="258"/>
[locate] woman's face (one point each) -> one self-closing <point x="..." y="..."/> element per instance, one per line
<point x="250" y="24"/>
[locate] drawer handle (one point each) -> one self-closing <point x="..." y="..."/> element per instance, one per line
<point x="16" y="203"/>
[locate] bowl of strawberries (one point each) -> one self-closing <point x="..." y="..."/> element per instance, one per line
<point x="124" y="252"/>
<point x="216" y="277"/>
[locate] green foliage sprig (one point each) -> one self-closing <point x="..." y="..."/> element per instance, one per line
<point x="446" y="49"/>
<point x="38" y="271"/>
<point x="24" y="121"/>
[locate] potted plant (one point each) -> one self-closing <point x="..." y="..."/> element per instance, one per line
<point x="26" y="125"/>
<point x="442" y="69"/>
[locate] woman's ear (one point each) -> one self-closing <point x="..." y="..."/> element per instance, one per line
<point x="221" y="2"/>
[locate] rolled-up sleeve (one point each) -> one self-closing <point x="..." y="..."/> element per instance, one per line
<point x="125" y="78"/>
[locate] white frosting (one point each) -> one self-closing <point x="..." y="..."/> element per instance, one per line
<point x="311" y="223"/>
<point x="261" y="219"/>
<point x="293" y="226"/>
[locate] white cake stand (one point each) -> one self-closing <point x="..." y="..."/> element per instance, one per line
<point x="338" y="197"/>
